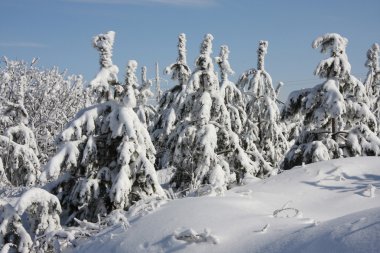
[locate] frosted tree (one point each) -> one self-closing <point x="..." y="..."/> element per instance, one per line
<point x="372" y="82"/>
<point x="21" y="166"/>
<point x="51" y="99"/>
<point x="204" y="63"/>
<point x="3" y="177"/>
<point x="24" y="224"/>
<point x="234" y="101"/>
<point x="322" y="105"/>
<point x="263" y="133"/>
<point x="145" y="87"/>
<point x="195" y="153"/>
<point x="131" y="79"/>
<point x="18" y="147"/>
<point x="358" y="115"/>
<point x="106" y="80"/>
<point x="144" y="110"/>
<point x="204" y="144"/>
<point x="179" y="70"/>
<point x="157" y="80"/>
<point x="250" y="80"/>
<point x="293" y="125"/>
<point x="233" y="97"/>
<point x="170" y="106"/>
<point x="105" y="161"/>
<point x="332" y="109"/>
<point x="373" y="76"/>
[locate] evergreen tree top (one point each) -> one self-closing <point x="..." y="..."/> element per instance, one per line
<point x="223" y="62"/>
<point x="337" y="65"/>
<point x="261" y="52"/>
<point x="204" y="61"/>
<point x="104" y="44"/>
<point x="180" y="71"/>
<point x="373" y="57"/>
<point x="182" y="49"/>
<point x="130" y="76"/>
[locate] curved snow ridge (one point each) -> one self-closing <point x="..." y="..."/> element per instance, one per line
<point x="353" y="233"/>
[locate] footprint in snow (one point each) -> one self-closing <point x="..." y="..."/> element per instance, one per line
<point x="244" y="192"/>
<point x="191" y="236"/>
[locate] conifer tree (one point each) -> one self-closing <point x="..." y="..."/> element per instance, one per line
<point x="25" y="224"/>
<point x="106" y="159"/>
<point x="144" y="110"/>
<point x="373" y="76"/>
<point x="233" y="97"/>
<point x="170" y="106"/>
<point x="205" y="147"/>
<point x="106" y="80"/>
<point x="18" y="146"/>
<point x="195" y="155"/>
<point x="372" y="81"/>
<point x="179" y="70"/>
<point x="157" y="80"/>
<point x="337" y="119"/>
<point x="263" y="133"/>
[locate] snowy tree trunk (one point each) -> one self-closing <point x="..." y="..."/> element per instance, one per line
<point x="333" y="128"/>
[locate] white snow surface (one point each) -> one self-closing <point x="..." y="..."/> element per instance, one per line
<point x="329" y="206"/>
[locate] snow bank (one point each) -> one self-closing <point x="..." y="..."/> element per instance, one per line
<point x="358" y="232"/>
<point x="325" y="208"/>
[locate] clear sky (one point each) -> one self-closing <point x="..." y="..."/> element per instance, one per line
<point x="59" y="32"/>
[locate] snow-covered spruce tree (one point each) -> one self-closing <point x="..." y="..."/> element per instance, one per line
<point x="263" y="133"/>
<point x="293" y="125"/>
<point x="105" y="82"/>
<point x="170" y="106"/>
<point x="179" y="70"/>
<point x="24" y="224"/>
<point x="157" y="81"/>
<point x="3" y="177"/>
<point x="372" y="82"/>
<point x="234" y="101"/>
<point x="105" y="161"/>
<point x="144" y="110"/>
<point x="18" y="147"/>
<point x="233" y="97"/>
<point x="204" y="144"/>
<point x="358" y="120"/>
<point x="373" y="77"/>
<point x="334" y="108"/>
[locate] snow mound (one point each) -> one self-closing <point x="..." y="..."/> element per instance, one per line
<point x="358" y="232"/>
<point x="329" y="206"/>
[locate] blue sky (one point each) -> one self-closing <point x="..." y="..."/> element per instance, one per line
<point x="59" y="32"/>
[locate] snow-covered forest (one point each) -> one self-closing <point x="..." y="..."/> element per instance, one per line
<point x="82" y="159"/>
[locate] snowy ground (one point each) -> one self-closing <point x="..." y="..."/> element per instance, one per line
<point x="322" y="207"/>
